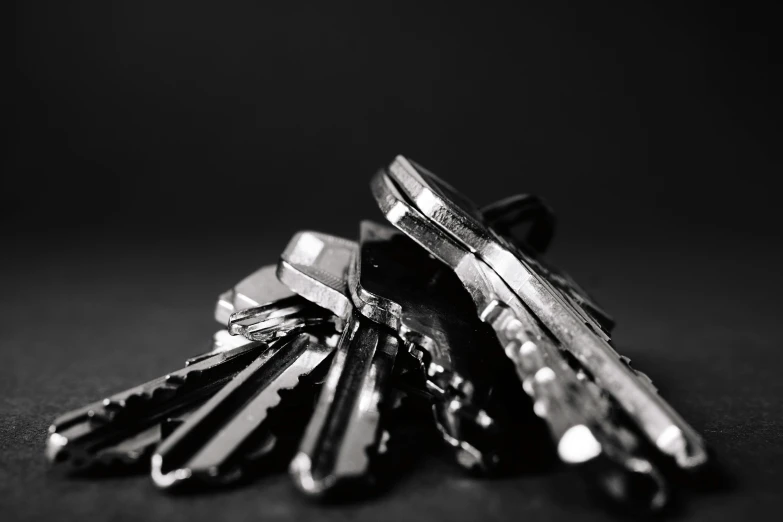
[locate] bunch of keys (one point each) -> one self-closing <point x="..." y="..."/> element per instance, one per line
<point x="448" y="317"/>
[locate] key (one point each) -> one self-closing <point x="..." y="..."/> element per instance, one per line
<point x="125" y="427"/>
<point x="578" y="417"/>
<point x="94" y="435"/>
<point x="395" y="283"/>
<point x="346" y="431"/>
<point x="211" y="446"/>
<point x="262" y="308"/>
<point x="559" y="312"/>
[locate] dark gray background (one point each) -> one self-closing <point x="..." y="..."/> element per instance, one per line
<point x="164" y="150"/>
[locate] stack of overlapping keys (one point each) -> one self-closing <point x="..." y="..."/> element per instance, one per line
<point x="446" y="320"/>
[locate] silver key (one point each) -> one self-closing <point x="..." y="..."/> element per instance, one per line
<point x="559" y="311"/>
<point x="578" y="417"/>
<point x="125" y="427"/>
<point x="346" y="429"/>
<point x="395" y="283"/>
<point x="212" y="444"/>
<point x="112" y="431"/>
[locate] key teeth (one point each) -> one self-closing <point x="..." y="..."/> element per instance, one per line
<point x="179" y="476"/>
<point x="59" y="453"/>
<point x="320" y="488"/>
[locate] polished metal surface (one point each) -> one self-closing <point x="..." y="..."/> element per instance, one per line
<point x="395" y="283"/>
<point x="314" y="265"/>
<point x="578" y="417"/>
<point x="346" y="428"/>
<point x="576" y="329"/>
<point x="125" y="427"/>
<point x="99" y="433"/>
<point x="345" y="359"/>
<point x="211" y="445"/>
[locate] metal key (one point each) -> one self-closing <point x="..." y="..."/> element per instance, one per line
<point x="124" y="428"/>
<point x="502" y="217"/>
<point x="216" y="444"/>
<point x="559" y="311"/>
<point x="96" y="433"/>
<point x="346" y="430"/>
<point x="396" y="283"/>
<point x="212" y="444"/>
<point x="579" y="418"/>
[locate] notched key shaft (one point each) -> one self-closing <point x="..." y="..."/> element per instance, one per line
<point x="212" y="445"/>
<point x="345" y="430"/>
<point x="88" y="436"/>
<point x="346" y="427"/>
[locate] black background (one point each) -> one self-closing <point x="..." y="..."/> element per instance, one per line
<point x="161" y="151"/>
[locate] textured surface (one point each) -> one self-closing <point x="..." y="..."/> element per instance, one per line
<point x="74" y="330"/>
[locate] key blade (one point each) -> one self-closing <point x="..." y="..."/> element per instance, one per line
<point x="314" y="265"/>
<point x="133" y="450"/>
<point x="79" y="438"/>
<point x="345" y="428"/>
<point x="578" y="417"/>
<point x="211" y="444"/>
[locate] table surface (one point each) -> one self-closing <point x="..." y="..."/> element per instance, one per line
<point x="74" y="331"/>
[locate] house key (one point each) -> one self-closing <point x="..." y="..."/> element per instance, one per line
<point x="346" y="430"/>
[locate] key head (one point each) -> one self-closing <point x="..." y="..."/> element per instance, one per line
<point x="463" y="220"/>
<point x="315" y="266"/>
